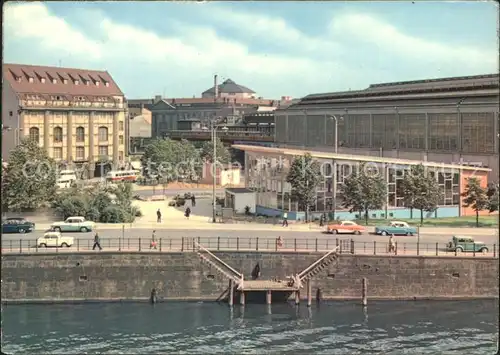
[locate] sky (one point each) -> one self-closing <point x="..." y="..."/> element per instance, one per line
<point x="277" y="49"/>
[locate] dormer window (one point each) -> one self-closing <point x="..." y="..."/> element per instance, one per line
<point x="42" y="80"/>
<point x="96" y="83"/>
<point x="106" y="83"/>
<point x="87" y="82"/>
<point x="18" y="79"/>
<point x="30" y="79"/>
<point x="76" y="82"/>
<point x="54" y="81"/>
<point x="65" y="81"/>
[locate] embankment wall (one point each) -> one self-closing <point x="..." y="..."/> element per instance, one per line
<point x="132" y="276"/>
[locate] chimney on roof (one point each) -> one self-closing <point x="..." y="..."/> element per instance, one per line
<point x="157" y="99"/>
<point x="216" y="87"/>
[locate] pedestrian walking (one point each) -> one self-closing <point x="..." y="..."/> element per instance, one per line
<point x="152" y="245"/>
<point x="158" y="216"/>
<point x="187" y="213"/>
<point x="285" y="219"/>
<point x="279" y="242"/>
<point x="97" y="242"/>
<point x="256" y="272"/>
<point x="193" y="201"/>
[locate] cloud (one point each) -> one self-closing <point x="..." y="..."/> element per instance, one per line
<point x="32" y="21"/>
<point x="183" y="61"/>
<point x="366" y="28"/>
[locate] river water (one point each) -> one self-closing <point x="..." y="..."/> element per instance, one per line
<point x="423" y="327"/>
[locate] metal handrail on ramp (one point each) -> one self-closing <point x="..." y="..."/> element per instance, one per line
<point x="238" y="275"/>
<point x="311" y="267"/>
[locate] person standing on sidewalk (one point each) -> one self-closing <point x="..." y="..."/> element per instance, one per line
<point x="285" y="219"/>
<point x="153" y="241"/>
<point x="158" y="216"/>
<point x="193" y="201"/>
<point x="97" y="242"/>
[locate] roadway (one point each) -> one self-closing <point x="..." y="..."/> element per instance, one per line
<point x="245" y="235"/>
<point x="173" y="192"/>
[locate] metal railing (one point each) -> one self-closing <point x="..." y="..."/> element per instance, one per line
<point x="189" y="244"/>
<point x="241" y="135"/>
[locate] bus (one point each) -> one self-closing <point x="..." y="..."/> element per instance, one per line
<point x="66" y="179"/>
<point x="122" y="175"/>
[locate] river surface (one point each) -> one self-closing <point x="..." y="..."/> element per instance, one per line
<point x="424" y="327"/>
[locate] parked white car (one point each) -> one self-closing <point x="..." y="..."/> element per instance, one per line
<point x="73" y="224"/>
<point x="54" y="239"/>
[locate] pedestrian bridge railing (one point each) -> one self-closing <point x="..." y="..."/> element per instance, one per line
<point x="244" y="244"/>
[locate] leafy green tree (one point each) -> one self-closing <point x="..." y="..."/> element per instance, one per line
<point x="492" y="194"/>
<point x="169" y="160"/>
<point x="421" y="191"/>
<point x="364" y="190"/>
<point x="223" y="153"/>
<point x="475" y="196"/>
<point x="304" y="176"/>
<point x="29" y="180"/>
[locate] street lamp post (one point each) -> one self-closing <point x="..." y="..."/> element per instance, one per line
<point x="213" y="129"/>
<point x="336" y="143"/>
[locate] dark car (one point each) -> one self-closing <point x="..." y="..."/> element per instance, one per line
<point x="17" y="225"/>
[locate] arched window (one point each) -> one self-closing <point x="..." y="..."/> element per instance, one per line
<point x="58" y="134"/>
<point x="35" y="134"/>
<point x="80" y="134"/>
<point x="103" y="134"/>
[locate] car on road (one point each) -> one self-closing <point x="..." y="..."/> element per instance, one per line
<point x="344" y="227"/>
<point x="461" y="244"/>
<point x="54" y="239"/>
<point x="73" y="224"/>
<point x="396" y="228"/>
<point x="17" y="225"/>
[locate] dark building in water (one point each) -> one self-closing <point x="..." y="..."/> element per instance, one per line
<point x="450" y="120"/>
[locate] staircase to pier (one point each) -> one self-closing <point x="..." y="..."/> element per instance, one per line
<point x="319" y="265"/>
<point x="222" y="267"/>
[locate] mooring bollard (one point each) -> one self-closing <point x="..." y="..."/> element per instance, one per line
<point x="364" y="292"/>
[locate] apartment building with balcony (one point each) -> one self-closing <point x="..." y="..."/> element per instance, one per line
<point x="77" y="115"/>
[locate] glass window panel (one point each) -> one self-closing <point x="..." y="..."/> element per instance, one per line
<point x="478" y="132"/>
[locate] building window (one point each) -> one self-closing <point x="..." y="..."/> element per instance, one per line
<point x="120" y="126"/>
<point x="58" y="134"/>
<point x="57" y="152"/>
<point x="103" y="151"/>
<point x="103" y="134"/>
<point x="443" y="131"/>
<point x="412" y="131"/>
<point x="120" y="139"/>
<point x="120" y="156"/>
<point x="80" y="153"/>
<point x="80" y="134"/>
<point x="478" y="132"/>
<point x="35" y="134"/>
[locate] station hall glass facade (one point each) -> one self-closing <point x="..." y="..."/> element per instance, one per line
<point x="266" y="175"/>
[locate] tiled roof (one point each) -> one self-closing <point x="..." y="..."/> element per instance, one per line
<point x="32" y="79"/>
<point x="229" y="86"/>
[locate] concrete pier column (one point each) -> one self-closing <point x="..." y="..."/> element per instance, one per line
<point x="231" y="293"/>
<point x="309" y="293"/>
<point x="116" y="134"/>
<point x="364" y="292"/>
<point x="69" y="138"/>
<point x="268" y="297"/>
<point x="242" y="298"/>
<point x="297" y="297"/>
<point x="46" y="132"/>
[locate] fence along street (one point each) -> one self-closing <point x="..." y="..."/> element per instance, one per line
<point x="187" y="244"/>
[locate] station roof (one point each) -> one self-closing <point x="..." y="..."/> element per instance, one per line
<point x="353" y="157"/>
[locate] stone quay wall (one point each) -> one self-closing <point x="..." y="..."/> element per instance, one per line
<point x="107" y="276"/>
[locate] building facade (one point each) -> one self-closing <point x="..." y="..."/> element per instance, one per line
<point x="77" y="115"/>
<point x="266" y="169"/>
<point x="452" y="120"/>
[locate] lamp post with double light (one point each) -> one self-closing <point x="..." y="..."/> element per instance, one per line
<point x="336" y="146"/>
<point x="213" y="127"/>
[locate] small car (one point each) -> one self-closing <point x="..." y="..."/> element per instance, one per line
<point x="461" y="244"/>
<point x="17" y="225"/>
<point x="349" y="227"/>
<point x="73" y="224"/>
<point x="54" y="239"/>
<point x="396" y="228"/>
